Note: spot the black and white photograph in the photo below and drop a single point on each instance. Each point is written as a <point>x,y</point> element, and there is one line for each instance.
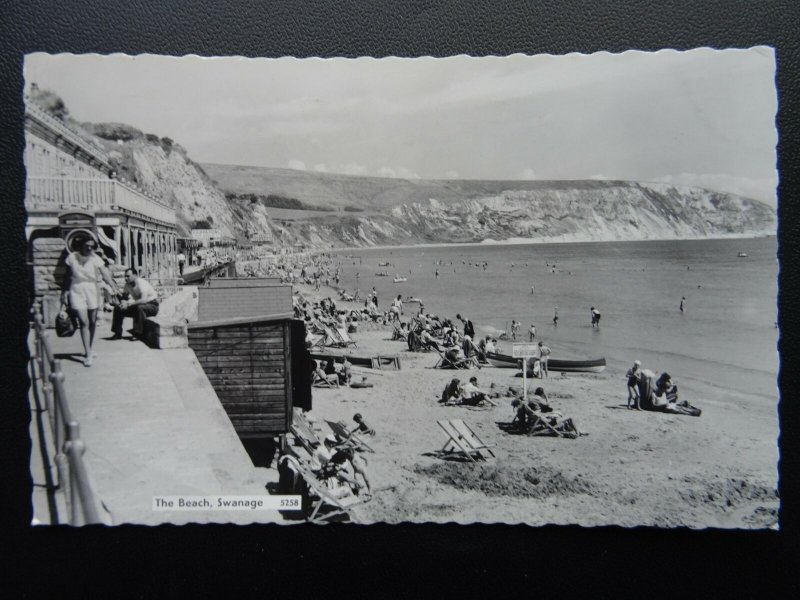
<point>522,289</point>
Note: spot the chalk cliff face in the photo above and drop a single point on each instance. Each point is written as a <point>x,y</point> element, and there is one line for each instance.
<point>372,211</point>
<point>364,211</point>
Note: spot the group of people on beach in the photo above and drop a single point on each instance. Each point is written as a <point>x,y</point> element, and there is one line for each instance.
<point>646,392</point>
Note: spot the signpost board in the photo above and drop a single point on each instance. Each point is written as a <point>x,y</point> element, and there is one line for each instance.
<point>525,352</point>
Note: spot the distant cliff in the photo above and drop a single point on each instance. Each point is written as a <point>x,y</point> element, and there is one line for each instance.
<point>326,210</point>
<point>374,211</point>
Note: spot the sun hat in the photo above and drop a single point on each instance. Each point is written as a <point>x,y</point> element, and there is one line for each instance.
<point>330,438</point>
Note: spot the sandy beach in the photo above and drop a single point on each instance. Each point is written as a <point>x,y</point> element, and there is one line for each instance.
<point>633,468</point>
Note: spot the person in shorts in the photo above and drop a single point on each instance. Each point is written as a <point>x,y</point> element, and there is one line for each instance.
<point>85,272</point>
<point>633,375</point>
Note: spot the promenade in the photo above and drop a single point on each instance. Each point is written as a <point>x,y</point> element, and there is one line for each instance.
<point>152,426</point>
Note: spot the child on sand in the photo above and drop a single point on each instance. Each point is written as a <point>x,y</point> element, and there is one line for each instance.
<point>633,375</point>
<point>362,427</point>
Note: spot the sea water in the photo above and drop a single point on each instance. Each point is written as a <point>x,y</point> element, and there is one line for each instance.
<point>724,343</point>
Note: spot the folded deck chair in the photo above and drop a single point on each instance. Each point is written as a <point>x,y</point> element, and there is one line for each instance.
<point>462,441</point>
<point>339,429</point>
<point>345,338</point>
<point>337,506</point>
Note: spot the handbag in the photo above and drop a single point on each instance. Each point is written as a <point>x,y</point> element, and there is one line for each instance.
<point>65,326</point>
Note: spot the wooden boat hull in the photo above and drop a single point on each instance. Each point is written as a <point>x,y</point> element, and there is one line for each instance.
<point>504,361</point>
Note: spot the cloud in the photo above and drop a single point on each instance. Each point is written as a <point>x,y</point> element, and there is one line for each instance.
<point>452,174</point>
<point>528,174</point>
<point>321,168</point>
<point>297,165</point>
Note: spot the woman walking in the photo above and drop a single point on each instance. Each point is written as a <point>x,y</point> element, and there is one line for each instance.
<point>82,291</point>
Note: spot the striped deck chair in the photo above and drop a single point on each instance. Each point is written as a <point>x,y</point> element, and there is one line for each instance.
<point>339,429</point>
<point>331,337</point>
<point>303,432</point>
<point>463,442</point>
<point>345,338</point>
<point>324,504</point>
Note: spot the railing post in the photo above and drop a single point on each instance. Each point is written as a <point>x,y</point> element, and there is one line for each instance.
<point>47,386</point>
<point>61,459</point>
<point>73,444</point>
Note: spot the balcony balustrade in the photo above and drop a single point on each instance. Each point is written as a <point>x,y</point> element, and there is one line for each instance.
<point>61,193</point>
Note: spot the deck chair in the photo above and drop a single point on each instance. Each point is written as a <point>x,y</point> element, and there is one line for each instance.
<point>415,343</point>
<point>329,381</point>
<point>302,431</point>
<point>344,337</point>
<point>339,429</point>
<point>541,425</point>
<point>445,363</point>
<point>399,333</point>
<point>324,497</point>
<point>331,337</point>
<point>462,441</point>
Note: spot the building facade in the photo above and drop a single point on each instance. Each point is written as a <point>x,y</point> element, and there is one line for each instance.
<point>71,188</point>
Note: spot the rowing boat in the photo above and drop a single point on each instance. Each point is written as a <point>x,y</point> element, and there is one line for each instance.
<point>504,361</point>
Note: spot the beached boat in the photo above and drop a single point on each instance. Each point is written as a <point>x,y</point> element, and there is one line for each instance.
<point>595,365</point>
<point>412,299</point>
<point>400,279</point>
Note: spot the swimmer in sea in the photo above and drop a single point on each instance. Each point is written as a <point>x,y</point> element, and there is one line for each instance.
<point>555,317</point>
<point>683,303</point>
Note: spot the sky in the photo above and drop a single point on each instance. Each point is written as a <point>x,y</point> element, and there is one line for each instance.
<point>703,117</point>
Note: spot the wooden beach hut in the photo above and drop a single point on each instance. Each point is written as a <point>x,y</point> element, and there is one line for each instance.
<point>253,352</point>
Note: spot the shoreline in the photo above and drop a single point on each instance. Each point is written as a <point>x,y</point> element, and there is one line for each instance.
<point>529,242</point>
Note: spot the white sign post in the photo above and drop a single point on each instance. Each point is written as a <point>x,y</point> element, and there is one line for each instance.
<point>525,352</point>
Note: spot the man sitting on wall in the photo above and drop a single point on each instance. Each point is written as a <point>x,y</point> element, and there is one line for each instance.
<point>140,301</point>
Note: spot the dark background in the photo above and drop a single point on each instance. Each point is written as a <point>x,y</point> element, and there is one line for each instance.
<point>406,560</point>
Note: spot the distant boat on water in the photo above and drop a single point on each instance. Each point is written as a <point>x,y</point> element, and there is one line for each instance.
<point>385,264</point>
<point>400,279</point>
<point>742,255</point>
<point>381,274</point>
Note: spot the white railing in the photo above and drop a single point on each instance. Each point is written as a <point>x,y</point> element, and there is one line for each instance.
<point>59,193</point>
